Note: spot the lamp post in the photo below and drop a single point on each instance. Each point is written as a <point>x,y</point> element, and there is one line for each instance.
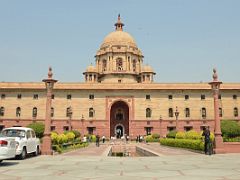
<point>160,122</point>
<point>47,144</point>
<point>218,141</point>
<point>70,112</point>
<point>176,115</point>
<point>82,120</point>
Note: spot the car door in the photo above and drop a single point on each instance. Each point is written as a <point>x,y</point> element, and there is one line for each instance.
<point>34,140</point>
<point>29,142</point>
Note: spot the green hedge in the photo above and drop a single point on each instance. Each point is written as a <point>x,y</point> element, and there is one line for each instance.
<point>152,138</point>
<point>230,129</point>
<point>38,127</point>
<point>171,134</point>
<point>183,143</point>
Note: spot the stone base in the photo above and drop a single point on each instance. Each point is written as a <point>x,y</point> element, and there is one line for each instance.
<point>219,151</point>
<point>47,146</point>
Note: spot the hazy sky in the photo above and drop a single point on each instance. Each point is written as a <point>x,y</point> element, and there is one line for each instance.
<point>181,39</point>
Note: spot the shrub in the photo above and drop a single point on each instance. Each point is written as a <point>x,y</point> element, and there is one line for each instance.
<point>70,135</point>
<point>183,143</point>
<point>93,138</point>
<point>62,138</point>
<point>38,127</point>
<point>180,135</point>
<point>54,138</point>
<point>155,136</point>
<point>230,128</point>
<point>150,138</point>
<point>76,133</point>
<point>171,134</point>
<point>193,135</point>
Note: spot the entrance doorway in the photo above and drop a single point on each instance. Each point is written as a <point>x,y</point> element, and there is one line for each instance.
<point>119,119</point>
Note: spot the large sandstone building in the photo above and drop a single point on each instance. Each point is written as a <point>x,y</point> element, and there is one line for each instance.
<point>119,96</point>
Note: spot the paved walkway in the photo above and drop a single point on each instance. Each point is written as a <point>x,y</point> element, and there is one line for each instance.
<point>75,166</point>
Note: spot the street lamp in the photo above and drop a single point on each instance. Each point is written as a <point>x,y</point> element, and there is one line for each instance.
<point>160,121</point>
<point>47,144</point>
<point>70,112</point>
<point>215,85</point>
<point>176,115</point>
<point>82,120</point>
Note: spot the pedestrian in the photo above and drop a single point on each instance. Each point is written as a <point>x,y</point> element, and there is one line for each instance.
<point>207,141</point>
<point>103,139</point>
<point>97,140</point>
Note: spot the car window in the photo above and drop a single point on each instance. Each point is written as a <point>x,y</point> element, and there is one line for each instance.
<point>33,134</point>
<point>13,133</point>
<point>28,134</point>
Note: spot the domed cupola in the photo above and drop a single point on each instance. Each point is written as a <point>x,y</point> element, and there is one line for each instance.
<point>91,74</point>
<point>147,74</point>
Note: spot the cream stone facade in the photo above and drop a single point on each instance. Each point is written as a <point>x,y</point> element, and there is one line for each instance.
<point>118,97</point>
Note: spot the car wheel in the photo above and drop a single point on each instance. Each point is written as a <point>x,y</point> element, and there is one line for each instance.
<point>23,154</point>
<point>37,152</point>
<point>1,161</point>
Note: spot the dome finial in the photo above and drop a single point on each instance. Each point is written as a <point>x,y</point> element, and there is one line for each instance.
<point>119,24</point>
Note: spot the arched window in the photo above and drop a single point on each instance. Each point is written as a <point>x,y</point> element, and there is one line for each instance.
<point>220,112</point>
<point>69,112</point>
<point>148,112</point>
<point>91,112</point>
<point>34,112</point>
<point>119,65</point>
<point>2,109</point>
<point>52,111</point>
<point>204,113</point>
<point>104,65</point>
<point>235,112</point>
<point>170,112</point>
<point>18,112</point>
<point>119,114</point>
<point>134,65</point>
<point>187,112</point>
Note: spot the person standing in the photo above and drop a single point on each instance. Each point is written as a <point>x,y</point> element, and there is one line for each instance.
<point>97,140</point>
<point>103,139</point>
<point>207,142</point>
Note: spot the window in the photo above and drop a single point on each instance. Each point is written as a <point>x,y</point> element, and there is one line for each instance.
<point>65,128</point>
<point>235,112</point>
<point>33,134</point>
<point>35,96</point>
<point>52,112</point>
<point>148,130</point>
<point>188,128</point>
<point>171,129</point>
<point>69,112</point>
<point>170,97</point>
<point>34,112</point>
<point>220,112</point>
<point>186,97</point>
<point>119,80</point>
<point>91,112</point>
<point>148,97</point>
<point>234,96</point>
<point>28,134</point>
<point>104,65</point>
<point>187,112</point>
<point>170,112</point>
<point>3,96</point>
<point>2,109</point>
<point>19,96</point>
<point>53,128</point>
<point>53,96</point>
<point>18,112</point>
<point>119,65</point>
<point>69,96</point>
<point>219,96</point>
<point>134,65</point>
<point>204,113</point>
<point>119,114</point>
<point>90,130</point>
<point>91,96</point>
<point>148,112</point>
<point>203,97</point>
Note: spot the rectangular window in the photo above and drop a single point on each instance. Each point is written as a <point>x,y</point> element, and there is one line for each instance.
<point>170,97</point>
<point>65,128</point>
<point>53,96</point>
<point>186,97</point>
<point>148,130</point>
<point>3,96</point>
<point>69,96</point>
<point>171,129</point>
<point>188,128</point>
<point>53,128</point>
<point>148,97</point>
<point>91,96</point>
<point>203,97</point>
<point>235,96</point>
<point>35,96</point>
<point>219,96</point>
<point>19,96</point>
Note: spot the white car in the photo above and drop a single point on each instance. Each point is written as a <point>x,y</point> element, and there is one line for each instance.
<point>26,139</point>
<point>7,148</point>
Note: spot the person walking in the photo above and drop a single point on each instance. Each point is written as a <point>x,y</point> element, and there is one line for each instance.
<point>207,141</point>
<point>103,139</point>
<point>97,140</point>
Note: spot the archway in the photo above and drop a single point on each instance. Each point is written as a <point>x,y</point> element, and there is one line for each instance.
<point>119,119</point>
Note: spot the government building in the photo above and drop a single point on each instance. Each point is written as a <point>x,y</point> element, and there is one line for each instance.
<point>119,96</point>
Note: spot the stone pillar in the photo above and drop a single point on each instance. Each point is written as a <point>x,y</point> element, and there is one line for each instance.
<point>176,115</point>
<point>47,143</point>
<point>218,141</point>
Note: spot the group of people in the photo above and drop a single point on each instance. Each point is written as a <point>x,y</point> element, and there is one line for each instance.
<point>139,138</point>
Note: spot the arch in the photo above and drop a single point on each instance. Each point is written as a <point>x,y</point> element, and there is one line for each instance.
<point>235,112</point>
<point>18,112</point>
<point>119,64</point>
<point>120,130</point>
<point>122,119</point>
<point>91,112</point>
<point>2,110</point>
<point>34,112</point>
<point>148,113</point>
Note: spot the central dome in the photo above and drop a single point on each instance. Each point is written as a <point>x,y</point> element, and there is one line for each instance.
<point>118,38</point>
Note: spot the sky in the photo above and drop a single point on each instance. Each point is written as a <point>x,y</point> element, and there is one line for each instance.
<point>183,40</point>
